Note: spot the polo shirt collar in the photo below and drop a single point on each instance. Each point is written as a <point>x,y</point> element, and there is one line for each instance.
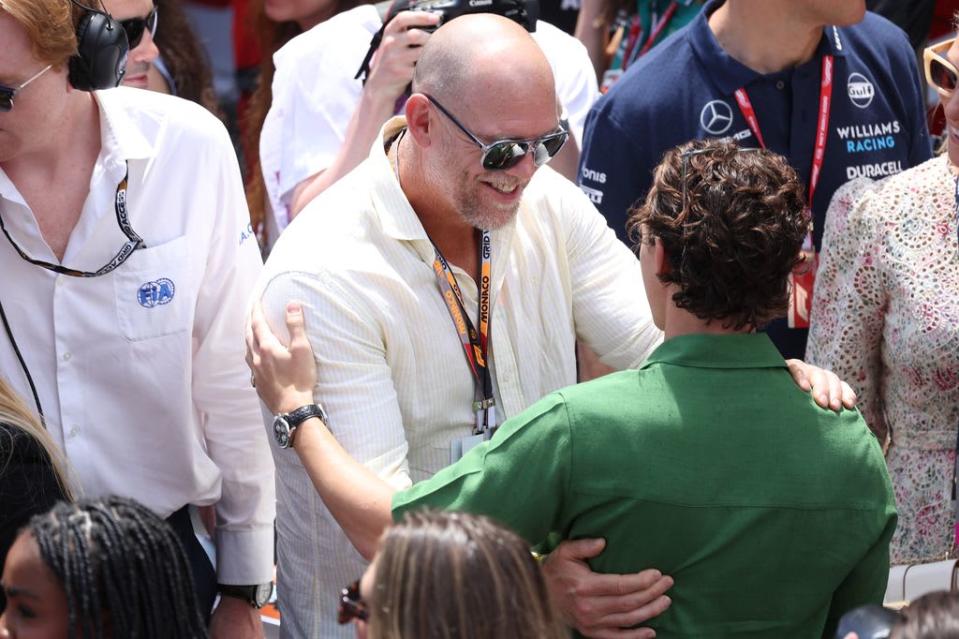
<point>727,73</point>
<point>738,350</point>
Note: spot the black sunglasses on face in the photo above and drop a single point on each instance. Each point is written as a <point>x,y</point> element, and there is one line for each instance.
<point>7,93</point>
<point>352,606</point>
<point>136,27</point>
<point>504,154</point>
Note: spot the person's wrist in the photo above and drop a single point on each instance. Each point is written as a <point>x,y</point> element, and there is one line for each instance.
<point>292,402</point>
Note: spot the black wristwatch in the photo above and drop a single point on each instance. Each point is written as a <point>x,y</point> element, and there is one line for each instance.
<point>285,424</point>
<point>257,596</point>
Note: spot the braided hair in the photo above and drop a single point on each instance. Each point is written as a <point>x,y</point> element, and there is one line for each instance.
<point>123,569</point>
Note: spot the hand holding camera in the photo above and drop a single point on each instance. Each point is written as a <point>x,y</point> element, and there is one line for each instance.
<point>391,69</point>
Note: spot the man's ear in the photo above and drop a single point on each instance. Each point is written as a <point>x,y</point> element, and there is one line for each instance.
<point>660,258</point>
<point>418,123</point>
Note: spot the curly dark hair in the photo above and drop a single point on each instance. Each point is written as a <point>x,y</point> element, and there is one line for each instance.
<point>732,243</point>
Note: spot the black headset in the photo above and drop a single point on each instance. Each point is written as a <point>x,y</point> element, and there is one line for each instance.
<point>102,49</point>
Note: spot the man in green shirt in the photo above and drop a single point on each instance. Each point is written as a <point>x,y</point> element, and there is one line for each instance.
<point>772,515</point>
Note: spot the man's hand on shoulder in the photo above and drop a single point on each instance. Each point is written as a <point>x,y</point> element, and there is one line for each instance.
<point>603,606</point>
<point>235,619</point>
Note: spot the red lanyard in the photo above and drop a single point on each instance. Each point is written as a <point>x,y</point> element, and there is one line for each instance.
<point>822,125</point>
<point>475,343</point>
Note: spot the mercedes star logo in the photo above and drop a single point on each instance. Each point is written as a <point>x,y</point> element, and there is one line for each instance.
<point>716,117</point>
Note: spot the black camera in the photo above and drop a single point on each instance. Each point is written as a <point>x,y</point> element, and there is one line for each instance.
<point>523,12</point>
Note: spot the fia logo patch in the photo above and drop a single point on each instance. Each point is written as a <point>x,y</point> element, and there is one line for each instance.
<point>157,293</point>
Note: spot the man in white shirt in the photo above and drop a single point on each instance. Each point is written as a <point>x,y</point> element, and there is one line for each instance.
<point>368,260</point>
<point>135,354</point>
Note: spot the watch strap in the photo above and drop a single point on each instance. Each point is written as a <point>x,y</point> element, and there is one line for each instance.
<point>296,417</point>
<point>255,595</point>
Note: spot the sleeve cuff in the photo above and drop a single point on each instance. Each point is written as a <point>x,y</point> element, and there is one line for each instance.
<point>244,557</point>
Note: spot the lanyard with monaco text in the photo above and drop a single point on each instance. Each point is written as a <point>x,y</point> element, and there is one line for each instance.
<point>475,343</point>
<point>803,276</point>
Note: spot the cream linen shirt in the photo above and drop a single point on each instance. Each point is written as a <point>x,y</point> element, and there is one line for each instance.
<point>392,373</point>
<point>140,372</point>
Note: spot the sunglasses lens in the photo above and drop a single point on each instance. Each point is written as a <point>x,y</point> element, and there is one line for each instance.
<point>503,155</point>
<point>136,27</point>
<point>555,143</point>
<point>6,101</point>
<point>942,76</point>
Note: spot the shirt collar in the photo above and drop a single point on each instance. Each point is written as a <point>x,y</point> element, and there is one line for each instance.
<point>728,74</point>
<point>738,350</point>
<point>120,134</point>
<point>398,218</point>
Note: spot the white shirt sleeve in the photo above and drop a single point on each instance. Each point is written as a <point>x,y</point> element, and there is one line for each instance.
<point>355,382</point>
<point>610,309</point>
<point>227,404</point>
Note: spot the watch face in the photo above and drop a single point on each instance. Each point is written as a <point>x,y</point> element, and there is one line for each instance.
<point>281,431</point>
<point>263,594</point>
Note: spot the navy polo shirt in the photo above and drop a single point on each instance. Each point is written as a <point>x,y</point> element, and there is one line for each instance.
<point>683,89</point>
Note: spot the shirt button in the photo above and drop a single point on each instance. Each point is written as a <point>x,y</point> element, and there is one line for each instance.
<point>780,85</point>
<point>67,356</point>
<point>59,281</point>
<point>74,431</point>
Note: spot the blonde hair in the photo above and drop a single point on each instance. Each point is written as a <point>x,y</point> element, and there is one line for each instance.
<point>446,575</point>
<point>13,412</point>
<point>50,25</point>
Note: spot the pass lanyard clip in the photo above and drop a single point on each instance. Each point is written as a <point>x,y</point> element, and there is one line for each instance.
<point>475,342</point>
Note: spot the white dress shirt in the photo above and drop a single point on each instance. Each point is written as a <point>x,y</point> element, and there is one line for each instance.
<point>315,94</point>
<point>392,372</point>
<point>141,372</point>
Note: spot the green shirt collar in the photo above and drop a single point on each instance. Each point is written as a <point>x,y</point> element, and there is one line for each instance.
<point>739,350</point>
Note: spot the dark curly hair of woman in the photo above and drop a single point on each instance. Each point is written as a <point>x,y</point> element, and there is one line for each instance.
<point>732,222</point>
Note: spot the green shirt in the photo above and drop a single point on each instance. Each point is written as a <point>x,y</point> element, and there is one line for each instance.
<point>772,515</point>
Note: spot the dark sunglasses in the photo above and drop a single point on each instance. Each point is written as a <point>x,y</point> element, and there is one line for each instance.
<point>940,72</point>
<point>7,93</point>
<point>136,27</point>
<point>352,606</point>
<point>504,154</point>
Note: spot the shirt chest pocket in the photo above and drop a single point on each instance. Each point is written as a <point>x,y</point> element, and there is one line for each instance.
<point>154,294</point>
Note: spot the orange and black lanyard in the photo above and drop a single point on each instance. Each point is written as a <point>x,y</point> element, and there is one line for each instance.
<point>475,343</point>
<point>822,131</point>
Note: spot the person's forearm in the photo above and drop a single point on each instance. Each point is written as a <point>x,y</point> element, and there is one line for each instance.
<point>369,116</point>
<point>591,31</point>
<point>358,499</point>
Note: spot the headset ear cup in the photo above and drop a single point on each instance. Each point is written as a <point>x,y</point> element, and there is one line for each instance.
<point>101,53</point>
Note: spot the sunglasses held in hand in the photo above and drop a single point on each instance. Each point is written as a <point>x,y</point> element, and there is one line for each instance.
<point>505,154</point>
<point>940,72</point>
<point>352,606</point>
